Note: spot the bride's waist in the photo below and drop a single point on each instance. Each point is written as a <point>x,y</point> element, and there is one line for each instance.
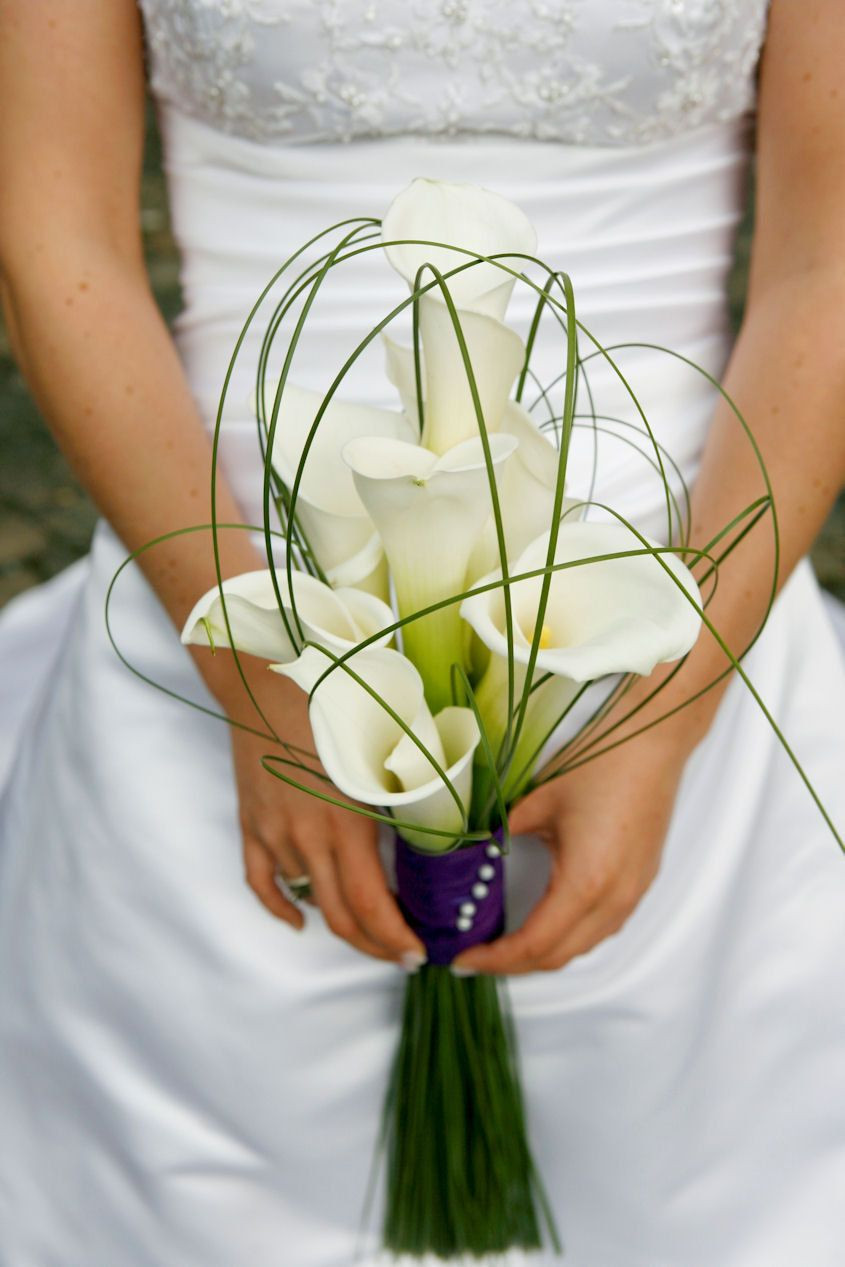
<point>571,192</point>
<point>646,232</point>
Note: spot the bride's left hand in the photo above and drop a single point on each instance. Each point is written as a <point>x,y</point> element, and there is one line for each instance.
<point>604,824</point>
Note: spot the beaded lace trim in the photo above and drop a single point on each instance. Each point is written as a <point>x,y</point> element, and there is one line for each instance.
<point>595,72</point>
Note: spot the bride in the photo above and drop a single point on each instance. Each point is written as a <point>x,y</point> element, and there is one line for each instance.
<point>191,1077</point>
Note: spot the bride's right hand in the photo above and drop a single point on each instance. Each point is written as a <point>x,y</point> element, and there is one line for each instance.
<point>289,833</point>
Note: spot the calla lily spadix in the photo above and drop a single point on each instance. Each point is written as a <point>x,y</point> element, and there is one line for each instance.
<point>328,506</point>
<point>603,616</point>
<point>338,619</point>
<point>429,512</point>
<point>464,216</point>
<point>367,754</point>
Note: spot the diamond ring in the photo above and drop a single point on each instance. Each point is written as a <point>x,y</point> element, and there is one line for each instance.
<point>299,886</point>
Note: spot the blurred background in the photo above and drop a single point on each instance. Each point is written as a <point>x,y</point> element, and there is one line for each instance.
<point>46,519</point>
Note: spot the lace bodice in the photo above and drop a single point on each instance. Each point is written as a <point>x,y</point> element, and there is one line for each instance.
<point>584,72</point>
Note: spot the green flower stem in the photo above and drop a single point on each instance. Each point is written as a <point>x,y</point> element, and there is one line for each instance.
<point>547,705</point>
<point>460,1177</point>
<point>547,700</point>
<point>433,644</point>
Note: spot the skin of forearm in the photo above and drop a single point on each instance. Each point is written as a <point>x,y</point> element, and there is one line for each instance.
<point>104,371</point>
<point>787,377</point>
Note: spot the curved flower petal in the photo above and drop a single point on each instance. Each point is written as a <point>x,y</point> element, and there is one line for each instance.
<point>618,615</point>
<point>399,366</point>
<point>328,505</point>
<point>429,511</point>
<point>337,540</point>
<point>407,762</point>
<point>365,570</point>
<point>463,216</point>
<point>496,354</point>
<point>459,737</point>
<point>367,754</point>
<point>526,493</point>
<point>326,481</point>
<point>337,619</point>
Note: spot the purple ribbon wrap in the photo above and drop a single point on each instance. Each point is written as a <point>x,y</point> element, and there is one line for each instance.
<point>452,900</point>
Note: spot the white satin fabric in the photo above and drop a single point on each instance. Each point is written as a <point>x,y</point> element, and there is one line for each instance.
<point>188,1083</point>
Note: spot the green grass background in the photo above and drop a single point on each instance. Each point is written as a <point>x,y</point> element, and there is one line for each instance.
<point>46,519</point>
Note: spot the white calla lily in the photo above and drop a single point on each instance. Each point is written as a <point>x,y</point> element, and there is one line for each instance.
<point>365,570</point>
<point>496,354</point>
<point>616,615</point>
<point>526,493</point>
<point>429,511</point>
<point>338,619</point>
<point>328,506</point>
<point>603,616</point>
<point>399,365</point>
<point>464,216</point>
<point>366,752</point>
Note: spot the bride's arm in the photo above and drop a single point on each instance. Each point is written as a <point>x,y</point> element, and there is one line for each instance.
<point>605,821</point>
<point>103,369</point>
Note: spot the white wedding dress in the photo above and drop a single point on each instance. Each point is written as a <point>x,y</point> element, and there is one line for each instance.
<point>186,1082</point>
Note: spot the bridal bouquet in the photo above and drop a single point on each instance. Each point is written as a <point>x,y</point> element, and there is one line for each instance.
<point>464,632</point>
<point>445,607</point>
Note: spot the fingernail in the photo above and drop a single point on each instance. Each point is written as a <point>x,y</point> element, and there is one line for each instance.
<point>462,970</point>
<point>412,960</point>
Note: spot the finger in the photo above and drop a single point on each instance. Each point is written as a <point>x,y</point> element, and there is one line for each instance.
<point>560,909</point>
<point>606,918</point>
<point>364,887</point>
<point>584,937</point>
<point>260,866</point>
<point>534,815</point>
<point>322,868</point>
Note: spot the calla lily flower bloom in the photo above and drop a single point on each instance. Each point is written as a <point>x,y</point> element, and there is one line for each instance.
<point>526,493</point>
<point>399,365</point>
<point>338,619</point>
<point>496,354</point>
<point>603,616</point>
<point>527,484</point>
<point>429,512</point>
<point>336,523</point>
<point>464,216</point>
<point>367,754</point>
